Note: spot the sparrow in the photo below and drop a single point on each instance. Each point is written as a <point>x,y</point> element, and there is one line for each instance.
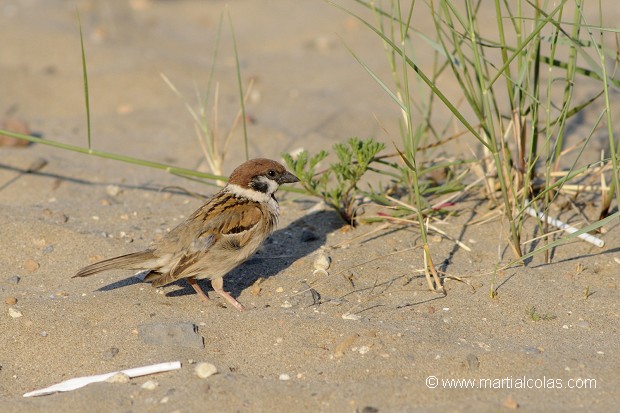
<point>217,237</point>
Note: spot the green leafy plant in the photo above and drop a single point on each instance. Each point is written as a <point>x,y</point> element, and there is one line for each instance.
<point>516,95</point>
<point>533,313</point>
<point>354,160</point>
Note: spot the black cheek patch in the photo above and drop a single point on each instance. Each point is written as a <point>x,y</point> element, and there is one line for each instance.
<point>260,186</point>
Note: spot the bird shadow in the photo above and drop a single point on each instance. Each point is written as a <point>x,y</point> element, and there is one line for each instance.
<point>300,238</point>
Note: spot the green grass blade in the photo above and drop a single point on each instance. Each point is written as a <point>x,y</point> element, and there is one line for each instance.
<point>114,156</point>
<point>85,73</point>
<point>240,83</point>
<point>429,83</point>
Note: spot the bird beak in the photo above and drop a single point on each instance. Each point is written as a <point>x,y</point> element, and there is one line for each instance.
<point>287,178</point>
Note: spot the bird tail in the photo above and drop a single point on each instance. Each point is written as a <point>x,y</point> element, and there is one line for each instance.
<point>135,261</point>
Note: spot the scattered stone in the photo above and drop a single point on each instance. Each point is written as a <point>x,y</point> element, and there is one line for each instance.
<point>369,409</point>
<point>204,370</point>
<point>256,288</point>
<point>279,290</point>
<point>150,385</point>
<point>15,313</point>
<point>94,258</point>
<point>171,334</point>
<point>10,300</point>
<point>321,264</point>
<point>113,190</point>
<point>344,345</point>
<point>17,126</point>
<point>511,403</point>
<point>316,297</point>
<point>436,239</point>
<point>531,350</point>
<point>582,324</point>
<point>40,243</point>
<point>349,316</point>
<point>110,353</point>
<point>31,265</point>
<point>363,349</point>
<point>472,361</point>
<point>119,378</point>
<point>13,280</point>
<point>284,377</point>
<point>286,304</point>
<point>308,236</point>
<point>43,334</point>
<point>306,298</point>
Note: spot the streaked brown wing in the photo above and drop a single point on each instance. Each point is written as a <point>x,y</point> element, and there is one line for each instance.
<point>233,220</point>
<point>229,226</point>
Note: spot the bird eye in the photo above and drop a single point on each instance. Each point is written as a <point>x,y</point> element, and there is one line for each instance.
<point>271,173</point>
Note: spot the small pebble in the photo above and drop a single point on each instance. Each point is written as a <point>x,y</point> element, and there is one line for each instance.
<point>30,265</point>
<point>363,349</point>
<point>10,300</point>
<point>344,345</point>
<point>110,353</point>
<point>204,370</point>
<point>531,350</point>
<point>119,378</point>
<point>583,324</point>
<point>14,125</point>
<point>284,377</point>
<point>15,313</point>
<point>321,264</point>
<point>13,280</point>
<point>472,361</point>
<point>279,289</point>
<point>286,304</point>
<point>43,334</point>
<point>150,385</point>
<point>113,190</point>
<point>349,316</point>
<point>256,288</point>
<point>511,403</point>
<point>308,236</point>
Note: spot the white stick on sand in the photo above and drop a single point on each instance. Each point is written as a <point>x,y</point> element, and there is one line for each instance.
<point>78,382</point>
<point>565,227</point>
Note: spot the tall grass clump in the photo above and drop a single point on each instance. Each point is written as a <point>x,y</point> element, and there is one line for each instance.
<point>205,113</point>
<point>514,75</point>
<point>214,146</point>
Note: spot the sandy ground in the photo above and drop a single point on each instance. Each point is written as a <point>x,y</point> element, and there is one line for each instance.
<point>288,352</point>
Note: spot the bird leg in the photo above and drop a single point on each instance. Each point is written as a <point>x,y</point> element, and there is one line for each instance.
<point>192,281</point>
<point>218,286</point>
